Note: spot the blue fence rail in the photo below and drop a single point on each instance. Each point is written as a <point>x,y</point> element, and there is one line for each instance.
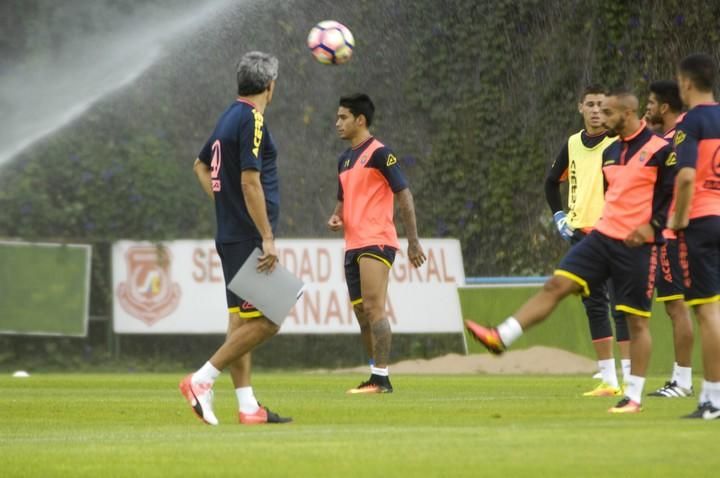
<point>505,280</point>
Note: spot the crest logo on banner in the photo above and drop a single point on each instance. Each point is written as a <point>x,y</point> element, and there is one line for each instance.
<point>149,293</point>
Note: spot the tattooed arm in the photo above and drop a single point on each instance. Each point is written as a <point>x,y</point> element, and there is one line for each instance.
<point>407,215</point>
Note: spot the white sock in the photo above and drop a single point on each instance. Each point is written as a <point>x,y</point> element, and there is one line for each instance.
<point>703,397</point>
<point>607,370</point>
<point>625,365</point>
<point>383,372</point>
<point>509,331</point>
<point>206,374</point>
<point>246,400</point>
<point>712,391</point>
<point>634,388</point>
<point>683,376</point>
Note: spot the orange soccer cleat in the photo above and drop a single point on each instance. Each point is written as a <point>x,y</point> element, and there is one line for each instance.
<point>487,336</point>
<point>374,385</point>
<point>626,406</point>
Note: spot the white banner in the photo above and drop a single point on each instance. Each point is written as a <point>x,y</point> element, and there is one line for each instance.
<point>178,287</point>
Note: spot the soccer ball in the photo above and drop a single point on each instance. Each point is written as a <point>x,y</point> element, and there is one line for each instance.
<point>331,42</point>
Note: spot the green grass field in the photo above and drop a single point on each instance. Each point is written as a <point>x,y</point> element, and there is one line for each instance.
<point>454,426</point>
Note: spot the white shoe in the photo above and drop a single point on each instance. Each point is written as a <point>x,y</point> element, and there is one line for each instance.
<point>598,376</point>
<point>672,390</point>
<point>200,398</point>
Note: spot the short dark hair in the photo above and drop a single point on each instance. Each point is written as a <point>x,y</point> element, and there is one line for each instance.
<point>666,91</point>
<point>620,91</point>
<point>359,104</point>
<point>255,71</point>
<point>701,69</point>
<point>626,97</point>
<point>593,89</point>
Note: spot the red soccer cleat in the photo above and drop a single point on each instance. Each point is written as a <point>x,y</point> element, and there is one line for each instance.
<point>261,416</point>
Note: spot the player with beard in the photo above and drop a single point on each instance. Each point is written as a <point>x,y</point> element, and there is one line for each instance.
<point>579,163</point>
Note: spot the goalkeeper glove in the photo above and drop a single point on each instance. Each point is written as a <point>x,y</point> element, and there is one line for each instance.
<point>562,226</point>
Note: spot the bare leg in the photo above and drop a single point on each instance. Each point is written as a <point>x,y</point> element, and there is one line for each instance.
<point>682,331</point>
<point>240,368</point>
<point>640,344</point>
<point>708,317</point>
<point>541,305</point>
<point>242,340</point>
<point>624,347</point>
<point>535,310</point>
<point>603,348</point>
<point>373,286</point>
<point>365,331</point>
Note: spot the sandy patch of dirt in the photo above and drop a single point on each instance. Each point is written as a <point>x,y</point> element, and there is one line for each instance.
<point>535,360</point>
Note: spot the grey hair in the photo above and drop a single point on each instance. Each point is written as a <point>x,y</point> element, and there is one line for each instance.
<point>255,71</point>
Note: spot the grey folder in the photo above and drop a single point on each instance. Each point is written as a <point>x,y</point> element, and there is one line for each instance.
<point>273,294</point>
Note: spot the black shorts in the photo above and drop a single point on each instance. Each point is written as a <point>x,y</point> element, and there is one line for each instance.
<point>233,256</point>
<point>669,273</point>
<point>598,258</point>
<point>699,251</point>
<point>384,254</point>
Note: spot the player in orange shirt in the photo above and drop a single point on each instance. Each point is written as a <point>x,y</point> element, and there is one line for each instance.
<point>662,113</point>
<point>639,172</point>
<point>369,179</point>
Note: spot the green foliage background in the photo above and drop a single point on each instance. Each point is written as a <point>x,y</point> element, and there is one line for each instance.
<point>476,97</point>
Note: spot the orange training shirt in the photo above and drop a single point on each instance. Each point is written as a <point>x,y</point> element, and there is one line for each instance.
<point>639,171</point>
<point>369,175</point>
